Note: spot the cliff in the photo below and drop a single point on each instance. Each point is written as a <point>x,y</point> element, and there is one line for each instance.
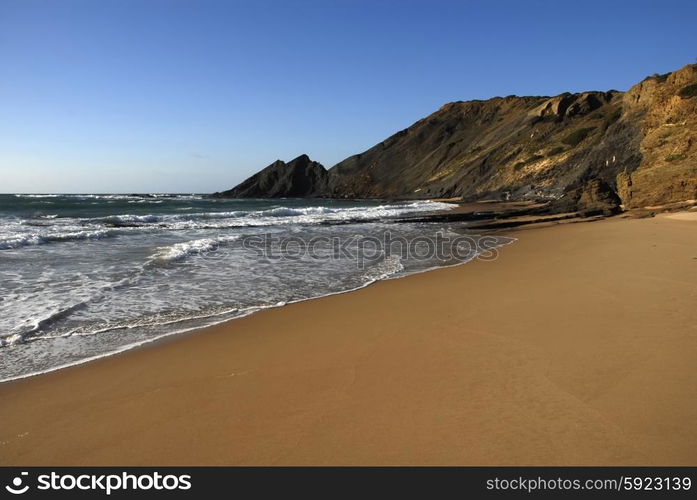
<point>299,178</point>
<point>586,150</point>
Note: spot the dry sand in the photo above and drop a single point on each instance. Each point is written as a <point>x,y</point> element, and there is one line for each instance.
<point>577,346</point>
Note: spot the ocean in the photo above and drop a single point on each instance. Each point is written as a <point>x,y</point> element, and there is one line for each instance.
<point>87,275</point>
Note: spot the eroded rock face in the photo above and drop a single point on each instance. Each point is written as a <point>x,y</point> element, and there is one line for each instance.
<point>589,101</point>
<point>575,104</point>
<point>598,195</point>
<point>557,106</point>
<point>641,146</point>
<point>668,169</point>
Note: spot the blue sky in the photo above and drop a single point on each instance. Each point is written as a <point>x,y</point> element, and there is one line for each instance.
<point>195,95</point>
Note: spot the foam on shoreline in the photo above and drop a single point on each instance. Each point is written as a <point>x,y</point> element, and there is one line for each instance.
<point>392,269</point>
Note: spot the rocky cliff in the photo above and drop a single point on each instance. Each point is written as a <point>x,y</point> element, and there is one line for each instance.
<point>587,150</point>
<point>299,178</point>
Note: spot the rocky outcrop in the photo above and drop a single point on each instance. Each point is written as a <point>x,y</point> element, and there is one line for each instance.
<point>596,196</point>
<point>592,149</point>
<point>299,178</point>
<point>575,104</point>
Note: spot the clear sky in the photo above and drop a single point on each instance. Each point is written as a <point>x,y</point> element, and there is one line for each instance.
<point>195,95</point>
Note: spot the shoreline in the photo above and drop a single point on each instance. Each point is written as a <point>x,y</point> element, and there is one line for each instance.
<point>154,341</point>
<point>394,317</point>
<point>435,216</point>
<point>194,329</point>
<point>179,325</point>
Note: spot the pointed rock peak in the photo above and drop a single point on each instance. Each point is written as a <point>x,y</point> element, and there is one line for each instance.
<point>299,178</point>
<point>303,158</point>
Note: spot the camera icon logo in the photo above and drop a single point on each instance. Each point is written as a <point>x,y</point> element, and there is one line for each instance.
<point>16,487</point>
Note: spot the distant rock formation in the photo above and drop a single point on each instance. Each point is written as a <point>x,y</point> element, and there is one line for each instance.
<point>299,178</point>
<point>593,149</point>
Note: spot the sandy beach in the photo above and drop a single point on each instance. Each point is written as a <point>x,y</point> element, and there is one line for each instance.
<point>577,346</point>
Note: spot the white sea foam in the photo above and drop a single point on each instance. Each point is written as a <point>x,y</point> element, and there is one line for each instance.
<point>180,251</point>
<point>101,227</point>
<point>275,216</point>
<point>21,240</point>
<point>150,218</point>
<point>389,267</point>
<point>37,195</point>
<point>16,241</point>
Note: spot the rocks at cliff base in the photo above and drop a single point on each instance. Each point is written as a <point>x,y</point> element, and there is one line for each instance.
<point>593,197</point>
<point>597,196</point>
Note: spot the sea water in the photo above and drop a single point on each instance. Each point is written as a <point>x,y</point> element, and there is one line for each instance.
<point>85,276</point>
